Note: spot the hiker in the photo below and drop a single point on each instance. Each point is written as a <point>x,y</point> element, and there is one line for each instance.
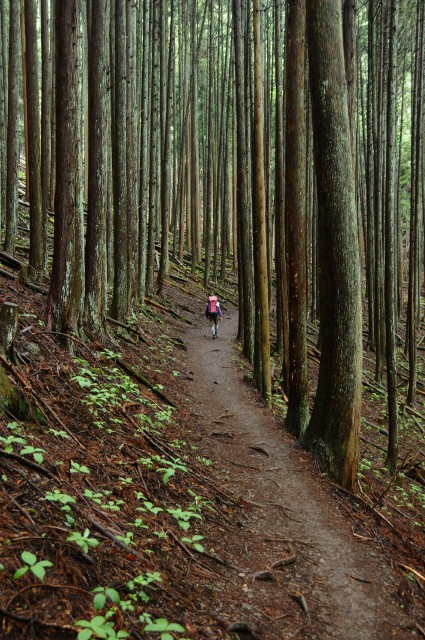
<point>213,313</point>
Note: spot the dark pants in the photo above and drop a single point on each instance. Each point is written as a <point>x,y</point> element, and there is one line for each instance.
<point>213,318</point>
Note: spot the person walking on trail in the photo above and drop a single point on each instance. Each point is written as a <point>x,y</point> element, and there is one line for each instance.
<point>213,313</point>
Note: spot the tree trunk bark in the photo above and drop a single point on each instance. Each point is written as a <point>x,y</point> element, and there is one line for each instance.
<point>36,256</point>
<point>298,411</point>
<point>244,225</point>
<point>95,258</point>
<point>119,299</point>
<point>64,304</point>
<point>12,132</point>
<point>260,209</point>
<point>390,305</point>
<point>333,431</point>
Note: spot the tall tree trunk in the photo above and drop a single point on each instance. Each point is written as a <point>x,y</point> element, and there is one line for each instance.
<point>36,256</point>
<point>281,275</point>
<point>25,99</point>
<point>298,412</point>
<point>52,171</point>
<point>12,131</point>
<point>143,186</point>
<point>260,210</point>
<point>378,222</point>
<point>209,199</point>
<point>416,151</point>
<point>333,431</point>
<point>390,303</point>
<point>370,170</point>
<point>245,255</point>
<point>119,299</point>
<point>131,155</point>
<point>4,92</point>
<point>166,163</point>
<point>194,152</point>
<point>95,259</point>
<point>46,104</point>
<point>63,306</point>
<point>153,148</point>
<point>349,37</point>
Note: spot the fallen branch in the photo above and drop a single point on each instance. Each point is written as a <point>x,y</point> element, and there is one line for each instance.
<point>416,573</point>
<point>41,404</point>
<point>300,599</point>
<point>106,532</point>
<point>130,328</point>
<point>27,463</point>
<point>34,621</point>
<point>373,444</point>
<point>19,507</point>
<point>167,310</point>
<point>359,579</point>
<point>45,585</point>
<point>189,553</point>
<point>260,450</point>
<point>227,434</point>
<point>10,261</point>
<point>284,562</point>
<point>245,466</point>
<point>145,382</point>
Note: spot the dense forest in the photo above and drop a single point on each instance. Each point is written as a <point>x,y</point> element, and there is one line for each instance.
<point>285,140</point>
<point>270,151</point>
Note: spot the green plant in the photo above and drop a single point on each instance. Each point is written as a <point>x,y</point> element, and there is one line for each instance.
<point>127,539</point>
<point>125,481</point>
<point>137,585</point>
<point>162,535</point>
<point>183,517</point>
<point>106,387</point>
<point>65,500</point>
<point>138,524</point>
<point>15,426</point>
<point>102,593</point>
<point>59,434</point>
<point>83,540</point>
<point>194,542</point>
<point>36,452</point>
<point>58,496</point>
<point>207,462</point>
<point>99,627</point>
<point>37,567</point>
<point>96,496</point>
<point>10,441</point>
<point>162,626</point>
<point>148,507</point>
<point>168,468</point>
<point>112,505</point>
<point>77,468</point>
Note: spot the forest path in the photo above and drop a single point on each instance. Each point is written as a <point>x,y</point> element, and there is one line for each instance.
<point>348,588</point>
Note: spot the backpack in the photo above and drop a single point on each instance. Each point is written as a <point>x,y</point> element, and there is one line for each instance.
<point>212,306</point>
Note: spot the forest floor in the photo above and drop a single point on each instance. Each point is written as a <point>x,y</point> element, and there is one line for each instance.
<point>186,506</point>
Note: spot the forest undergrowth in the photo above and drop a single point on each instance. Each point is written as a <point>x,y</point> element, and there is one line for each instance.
<point>109,509</point>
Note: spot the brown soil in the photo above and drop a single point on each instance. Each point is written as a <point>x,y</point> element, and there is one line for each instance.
<point>269,502</point>
<point>348,589</point>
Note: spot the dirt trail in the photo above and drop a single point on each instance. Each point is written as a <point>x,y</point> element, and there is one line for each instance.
<point>348,588</point>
